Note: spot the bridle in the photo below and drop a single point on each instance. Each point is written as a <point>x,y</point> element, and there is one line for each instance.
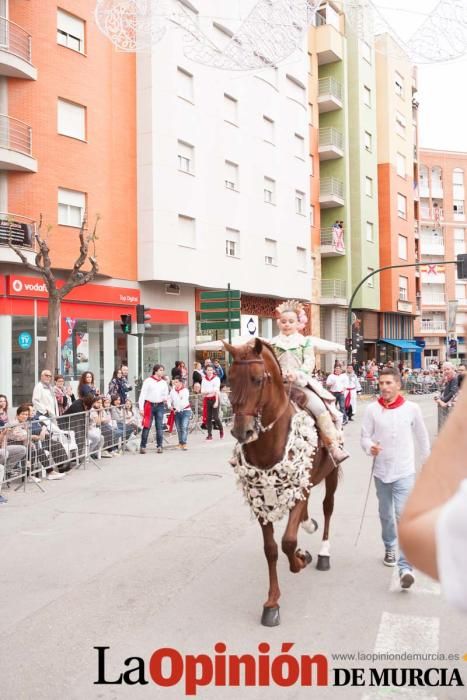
<point>258,413</point>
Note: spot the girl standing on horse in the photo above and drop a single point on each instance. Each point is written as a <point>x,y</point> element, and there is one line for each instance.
<point>296,357</point>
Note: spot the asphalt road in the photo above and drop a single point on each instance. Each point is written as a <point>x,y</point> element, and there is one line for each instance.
<point>159,551</point>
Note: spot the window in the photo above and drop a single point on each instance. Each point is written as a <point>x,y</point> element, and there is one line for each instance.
<point>401,165</point>
<point>231,175</point>
<point>269,190</point>
<point>270,256</point>
<point>368,142</point>
<point>401,206</point>
<point>460,292</point>
<point>230,109</point>
<point>299,202</point>
<point>70,31</point>
<point>71,207</point>
<point>458,209</point>
<point>71,119</point>
<point>458,177</point>
<point>399,85</point>
<point>185,157</point>
<point>232,243</point>
<point>459,242</point>
<point>301,259</point>
<point>185,85</point>
<point>299,146</point>
<point>370,233</point>
<point>403,288</point>
<point>368,186</point>
<point>367,96</point>
<point>366,52</point>
<point>401,124</point>
<point>371,281</point>
<point>186,231</point>
<point>295,90</point>
<point>268,129</point>
<point>402,247</point>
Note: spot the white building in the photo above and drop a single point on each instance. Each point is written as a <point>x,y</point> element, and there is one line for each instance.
<point>223,175</point>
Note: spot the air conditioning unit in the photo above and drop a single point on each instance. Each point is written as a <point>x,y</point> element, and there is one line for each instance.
<point>172,288</point>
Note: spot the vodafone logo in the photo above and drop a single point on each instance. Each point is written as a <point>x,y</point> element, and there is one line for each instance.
<point>17,286</point>
<point>27,287</point>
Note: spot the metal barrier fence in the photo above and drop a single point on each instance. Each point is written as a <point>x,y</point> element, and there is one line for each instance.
<point>32,449</point>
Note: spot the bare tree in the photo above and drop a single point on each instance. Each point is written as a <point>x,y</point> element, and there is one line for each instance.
<point>57,288</point>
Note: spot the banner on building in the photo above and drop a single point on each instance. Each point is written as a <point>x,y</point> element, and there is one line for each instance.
<point>19,233</point>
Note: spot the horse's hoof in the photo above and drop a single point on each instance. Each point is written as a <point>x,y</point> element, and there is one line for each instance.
<point>271,617</point>
<point>310,526</point>
<point>306,556</point>
<point>324,563</point>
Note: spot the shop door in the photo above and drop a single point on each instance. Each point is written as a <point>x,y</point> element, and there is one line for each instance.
<point>41,355</point>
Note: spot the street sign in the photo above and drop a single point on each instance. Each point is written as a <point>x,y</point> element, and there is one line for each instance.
<point>221,294</point>
<point>219,315</point>
<point>213,305</point>
<point>220,325</point>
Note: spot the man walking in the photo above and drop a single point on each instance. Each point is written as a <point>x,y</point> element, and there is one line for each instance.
<point>388,430</point>
<point>353,386</point>
<point>152,400</point>
<point>337,383</point>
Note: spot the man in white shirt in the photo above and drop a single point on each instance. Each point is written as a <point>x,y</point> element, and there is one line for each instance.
<point>353,386</point>
<point>388,430</point>
<point>337,384</point>
<point>152,400</point>
<point>210,390</point>
<point>43,396</point>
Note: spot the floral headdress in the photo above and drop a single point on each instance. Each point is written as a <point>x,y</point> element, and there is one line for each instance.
<point>296,307</point>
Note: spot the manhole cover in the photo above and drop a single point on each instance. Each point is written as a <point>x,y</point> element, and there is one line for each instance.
<point>201,477</point>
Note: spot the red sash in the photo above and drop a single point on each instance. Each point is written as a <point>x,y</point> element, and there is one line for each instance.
<point>171,420</point>
<point>348,399</point>
<point>147,414</point>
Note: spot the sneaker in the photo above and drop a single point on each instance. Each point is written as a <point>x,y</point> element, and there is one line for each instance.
<point>3,499</point>
<point>389,558</point>
<point>53,476</point>
<point>33,480</point>
<point>184,447</point>
<point>209,437</point>
<point>407,579</point>
<point>159,450</point>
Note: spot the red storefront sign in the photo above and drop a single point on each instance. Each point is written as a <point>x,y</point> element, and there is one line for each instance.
<point>32,287</point>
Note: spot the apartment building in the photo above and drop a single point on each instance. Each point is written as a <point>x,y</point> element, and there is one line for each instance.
<point>223,178</point>
<point>67,146</point>
<point>398,199</point>
<point>443,299</point>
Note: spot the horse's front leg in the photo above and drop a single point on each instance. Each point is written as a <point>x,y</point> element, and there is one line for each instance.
<point>270,616</point>
<point>324,556</point>
<point>297,560</point>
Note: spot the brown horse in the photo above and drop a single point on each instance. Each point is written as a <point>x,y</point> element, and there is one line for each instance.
<point>262,421</point>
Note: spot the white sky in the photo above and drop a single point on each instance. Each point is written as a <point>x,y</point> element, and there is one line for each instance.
<point>442,86</point>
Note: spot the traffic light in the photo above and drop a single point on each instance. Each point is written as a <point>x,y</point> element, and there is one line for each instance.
<point>348,344</point>
<point>142,318</point>
<point>126,323</point>
<point>462,267</point>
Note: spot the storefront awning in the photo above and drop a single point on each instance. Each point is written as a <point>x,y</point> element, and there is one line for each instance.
<point>404,345</point>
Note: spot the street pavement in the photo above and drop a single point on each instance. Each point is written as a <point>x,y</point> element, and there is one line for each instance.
<point>159,551</point>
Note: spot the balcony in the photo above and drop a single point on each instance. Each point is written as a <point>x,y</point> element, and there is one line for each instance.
<point>404,306</point>
<point>21,231</point>
<point>329,42</point>
<point>437,189</point>
<point>333,293</point>
<point>432,245</point>
<point>331,144</point>
<point>15,51</point>
<point>16,145</point>
<point>434,299</point>
<point>435,214</point>
<point>331,193</point>
<point>330,95</point>
<point>332,242</point>
<point>433,326</point>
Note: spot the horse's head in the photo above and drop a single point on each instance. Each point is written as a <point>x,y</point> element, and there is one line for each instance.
<point>253,374</point>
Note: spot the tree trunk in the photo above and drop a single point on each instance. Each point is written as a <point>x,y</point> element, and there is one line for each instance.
<point>53,321</point>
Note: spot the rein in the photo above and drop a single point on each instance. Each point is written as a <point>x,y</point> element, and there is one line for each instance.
<point>267,377</point>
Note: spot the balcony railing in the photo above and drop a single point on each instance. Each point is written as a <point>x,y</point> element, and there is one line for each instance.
<point>15,135</point>
<point>331,138</point>
<point>15,40</point>
<point>334,289</point>
<point>434,299</point>
<point>18,229</point>
<point>330,86</point>
<point>331,187</point>
<point>429,326</point>
<point>332,241</point>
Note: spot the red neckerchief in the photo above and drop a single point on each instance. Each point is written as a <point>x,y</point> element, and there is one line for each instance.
<point>210,380</point>
<point>156,379</point>
<point>179,390</point>
<point>400,401</point>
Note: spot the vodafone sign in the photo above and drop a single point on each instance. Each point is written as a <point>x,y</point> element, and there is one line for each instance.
<point>34,288</point>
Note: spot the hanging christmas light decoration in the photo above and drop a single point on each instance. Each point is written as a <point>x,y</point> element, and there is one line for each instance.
<point>441,35</point>
<point>269,32</point>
